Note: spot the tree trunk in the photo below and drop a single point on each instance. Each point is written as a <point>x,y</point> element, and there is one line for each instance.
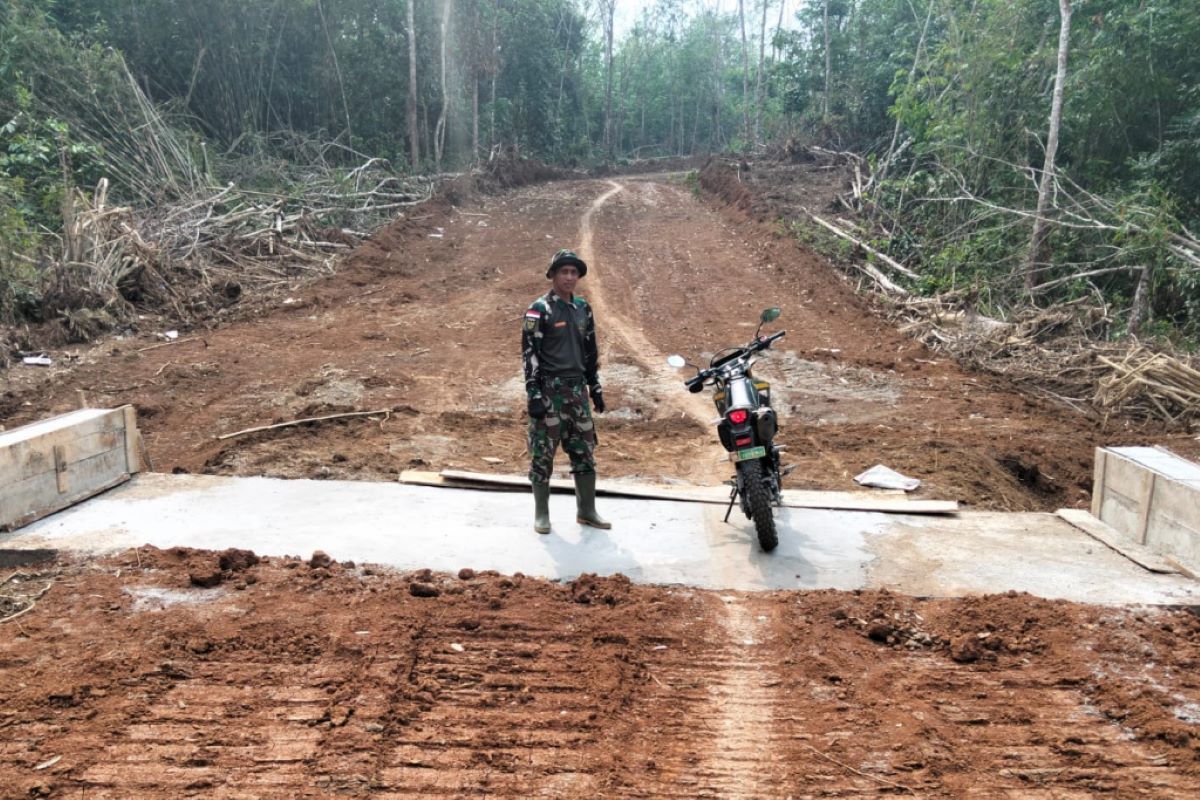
<point>1140,313</point>
<point>825,99</point>
<point>610,7</point>
<point>758,82</point>
<point>745,76</point>
<point>439,134</point>
<point>495,67</point>
<point>476,72</point>
<point>778,29</point>
<point>337,70</point>
<point>414,139</point>
<point>1037,242</point>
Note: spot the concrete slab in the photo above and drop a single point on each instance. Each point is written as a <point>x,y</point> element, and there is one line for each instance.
<point>659,542</point>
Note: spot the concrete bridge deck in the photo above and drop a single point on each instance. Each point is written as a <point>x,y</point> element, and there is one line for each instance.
<point>658,542</point>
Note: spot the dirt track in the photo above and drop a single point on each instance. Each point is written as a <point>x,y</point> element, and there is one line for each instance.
<point>290,681</point>
<point>423,320</point>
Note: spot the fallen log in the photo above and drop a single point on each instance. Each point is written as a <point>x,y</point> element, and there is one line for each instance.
<point>887,260</point>
<point>290,423</point>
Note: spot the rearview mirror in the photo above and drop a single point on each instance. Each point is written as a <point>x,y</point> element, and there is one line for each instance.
<point>676,361</point>
<point>769,315</point>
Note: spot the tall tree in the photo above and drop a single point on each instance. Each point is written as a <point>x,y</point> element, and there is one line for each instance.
<point>439,134</point>
<point>745,74</point>
<point>608,8</point>
<point>1037,242</point>
<point>414,136</point>
<point>825,99</point>
<point>758,78</point>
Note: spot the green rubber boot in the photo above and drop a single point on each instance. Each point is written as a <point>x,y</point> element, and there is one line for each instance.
<point>585,500</point>
<point>541,507</point>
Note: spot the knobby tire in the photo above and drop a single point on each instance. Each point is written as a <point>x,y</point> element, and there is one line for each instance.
<point>758,498</point>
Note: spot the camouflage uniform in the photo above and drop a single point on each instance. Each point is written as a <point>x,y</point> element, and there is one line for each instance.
<point>558,346</point>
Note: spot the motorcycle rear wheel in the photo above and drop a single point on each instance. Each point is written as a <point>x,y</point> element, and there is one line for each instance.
<point>758,498</point>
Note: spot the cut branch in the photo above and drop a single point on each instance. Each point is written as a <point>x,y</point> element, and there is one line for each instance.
<point>885,259</point>
<point>293,422</point>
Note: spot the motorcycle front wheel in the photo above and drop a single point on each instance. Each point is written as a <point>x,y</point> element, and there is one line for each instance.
<point>758,498</point>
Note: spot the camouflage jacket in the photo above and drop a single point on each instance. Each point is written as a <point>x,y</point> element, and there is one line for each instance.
<point>558,340</point>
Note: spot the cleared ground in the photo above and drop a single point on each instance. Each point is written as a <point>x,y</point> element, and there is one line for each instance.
<point>287,680</point>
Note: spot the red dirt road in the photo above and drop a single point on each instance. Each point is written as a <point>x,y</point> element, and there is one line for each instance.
<point>287,680</point>
<point>424,321</point>
<point>291,680</point>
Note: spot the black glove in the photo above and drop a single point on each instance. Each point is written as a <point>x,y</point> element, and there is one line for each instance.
<point>537,408</point>
<point>598,400</point>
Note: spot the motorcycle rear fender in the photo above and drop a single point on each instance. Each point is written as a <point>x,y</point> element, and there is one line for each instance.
<point>730,433</point>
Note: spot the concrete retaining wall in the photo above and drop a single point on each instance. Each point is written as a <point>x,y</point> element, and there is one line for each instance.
<point>1152,496</point>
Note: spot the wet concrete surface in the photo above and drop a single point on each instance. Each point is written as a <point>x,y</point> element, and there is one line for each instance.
<point>655,542</point>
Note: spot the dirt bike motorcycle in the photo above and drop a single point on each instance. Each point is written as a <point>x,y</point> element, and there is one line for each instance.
<point>746,428</point>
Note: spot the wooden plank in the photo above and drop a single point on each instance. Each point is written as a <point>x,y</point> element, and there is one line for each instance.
<point>133,461</point>
<point>34,516</point>
<point>24,455</point>
<point>38,495</point>
<point>1112,538</point>
<point>51,425</point>
<point>1124,482</point>
<point>1173,526</point>
<point>54,463</point>
<point>1099,484</point>
<point>60,468</point>
<point>1192,572</point>
<point>845,501</point>
<point>1145,503</point>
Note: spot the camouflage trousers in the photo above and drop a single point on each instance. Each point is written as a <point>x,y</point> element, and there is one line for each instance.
<point>568,420</point>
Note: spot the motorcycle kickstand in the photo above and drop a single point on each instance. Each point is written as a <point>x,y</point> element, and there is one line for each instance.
<point>732,497</point>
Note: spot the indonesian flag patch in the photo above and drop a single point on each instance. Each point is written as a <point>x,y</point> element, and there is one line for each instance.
<point>532,317</point>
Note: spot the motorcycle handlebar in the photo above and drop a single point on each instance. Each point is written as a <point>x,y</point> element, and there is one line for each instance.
<point>766,341</point>
<point>696,384</point>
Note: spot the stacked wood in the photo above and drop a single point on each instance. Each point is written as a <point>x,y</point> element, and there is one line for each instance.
<point>177,253</point>
<point>1155,384</point>
<point>1060,353</point>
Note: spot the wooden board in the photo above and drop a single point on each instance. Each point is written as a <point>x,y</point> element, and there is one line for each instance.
<point>49,465</point>
<point>1105,534</point>
<point>845,501</point>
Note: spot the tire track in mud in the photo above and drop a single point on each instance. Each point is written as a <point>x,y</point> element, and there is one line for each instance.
<point>746,701</point>
<point>740,705</point>
<point>713,709</point>
<point>666,379</point>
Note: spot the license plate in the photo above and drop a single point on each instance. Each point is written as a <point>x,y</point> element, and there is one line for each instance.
<point>749,454</point>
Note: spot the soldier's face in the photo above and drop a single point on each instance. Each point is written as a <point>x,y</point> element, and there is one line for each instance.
<point>565,278</point>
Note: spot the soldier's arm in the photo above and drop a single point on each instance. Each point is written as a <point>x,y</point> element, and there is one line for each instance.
<point>531,348</point>
<point>591,353</point>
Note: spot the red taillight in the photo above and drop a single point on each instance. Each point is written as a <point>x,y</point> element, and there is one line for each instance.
<point>738,416</point>
<point>745,440</point>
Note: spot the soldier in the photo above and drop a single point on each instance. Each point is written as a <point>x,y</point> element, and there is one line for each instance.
<point>562,362</point>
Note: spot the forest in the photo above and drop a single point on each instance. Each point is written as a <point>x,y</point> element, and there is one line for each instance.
<point>1019,152</point>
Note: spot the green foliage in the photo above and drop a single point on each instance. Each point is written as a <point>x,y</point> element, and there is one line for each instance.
<point>947,98</point>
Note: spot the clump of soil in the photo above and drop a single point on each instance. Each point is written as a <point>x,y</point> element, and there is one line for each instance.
<point>511,685</point>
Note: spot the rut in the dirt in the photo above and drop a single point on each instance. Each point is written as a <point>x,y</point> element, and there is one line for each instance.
<point>294,678</point>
